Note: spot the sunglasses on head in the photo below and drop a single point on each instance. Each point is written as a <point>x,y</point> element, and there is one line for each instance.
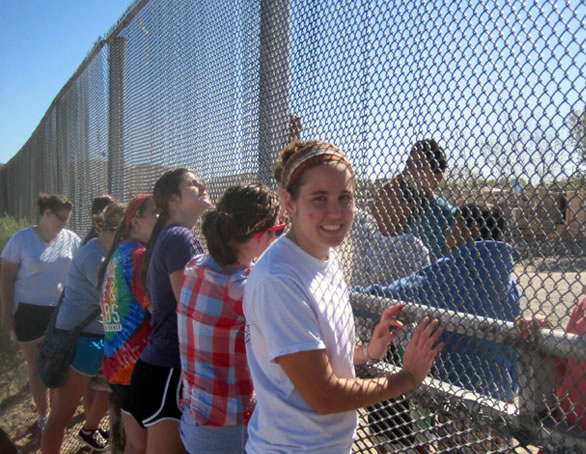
<point>276,229</point>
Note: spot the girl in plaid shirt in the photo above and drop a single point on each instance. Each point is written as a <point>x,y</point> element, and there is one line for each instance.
<point>218,397</point>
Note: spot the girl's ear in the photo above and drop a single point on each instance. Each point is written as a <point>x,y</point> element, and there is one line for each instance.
<point>133,223</point>
<point>289,204</point>
<point>173,199</point>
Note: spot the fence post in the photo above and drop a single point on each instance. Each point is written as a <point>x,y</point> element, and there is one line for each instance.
<point>273,110</point>
<point>117,56</point>
<point>536,387</point>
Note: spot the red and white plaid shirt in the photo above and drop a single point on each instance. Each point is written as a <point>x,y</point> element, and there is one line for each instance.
<point>216,382</point>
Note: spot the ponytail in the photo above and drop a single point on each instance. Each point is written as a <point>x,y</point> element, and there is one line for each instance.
<point>162,220</point>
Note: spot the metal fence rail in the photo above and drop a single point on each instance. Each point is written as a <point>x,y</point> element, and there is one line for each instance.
<point>500,86</point>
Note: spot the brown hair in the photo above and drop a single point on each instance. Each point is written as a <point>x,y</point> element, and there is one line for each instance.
<point>100,203</point>
<point>109,218</point>
<point>53,202</point>
<point>122,234</point>
<point>165,187</point>
<point>241,212</point>
<point>294,149</point>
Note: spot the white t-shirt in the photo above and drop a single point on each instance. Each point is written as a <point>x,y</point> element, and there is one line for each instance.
<point>43,266</point>
<point>294,302</point>
<point>380,259</point>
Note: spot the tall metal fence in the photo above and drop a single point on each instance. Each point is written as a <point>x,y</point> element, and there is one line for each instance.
<point>217,86</point>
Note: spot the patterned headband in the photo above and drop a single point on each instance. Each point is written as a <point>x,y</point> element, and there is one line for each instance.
<point>311,157</point>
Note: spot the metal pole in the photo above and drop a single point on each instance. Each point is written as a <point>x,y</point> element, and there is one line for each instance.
<point>116,118</point>
<point>273,108</point>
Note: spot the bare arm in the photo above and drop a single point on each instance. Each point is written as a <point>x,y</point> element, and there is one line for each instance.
<point>8,274</point>
<point>387,329</point>
<point>312,375</point>
<point>175,278</point>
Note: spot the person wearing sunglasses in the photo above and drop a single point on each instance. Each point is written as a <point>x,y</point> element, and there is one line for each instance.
<point>218,396</point>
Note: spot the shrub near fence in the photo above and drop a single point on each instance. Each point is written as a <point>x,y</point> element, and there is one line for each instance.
<point>9,352</point>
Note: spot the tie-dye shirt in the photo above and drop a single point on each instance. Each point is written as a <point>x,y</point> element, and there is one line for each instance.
<point>124,305</point>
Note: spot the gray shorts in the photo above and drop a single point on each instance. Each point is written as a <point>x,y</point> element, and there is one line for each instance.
<point>211,439</point>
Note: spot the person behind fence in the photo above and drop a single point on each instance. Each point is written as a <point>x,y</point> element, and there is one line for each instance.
<point>382,258</point>
<point>379,257</point>
<point>100,203</point>
<point>301,342</point>
<point>35,261</point>
<point>570,374</point>
<point>125,311</point>
<point>81,298</point>
<point>218,396</point>
<point>424,168</point>
<point>181,199</point>
<point>476,278</point>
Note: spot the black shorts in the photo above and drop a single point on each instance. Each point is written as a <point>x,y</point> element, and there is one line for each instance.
<point>157,392</point>
<point>126,400</point>
<point>31,321</point>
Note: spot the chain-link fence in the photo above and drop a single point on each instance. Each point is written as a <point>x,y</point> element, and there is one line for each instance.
<point>500,86</point>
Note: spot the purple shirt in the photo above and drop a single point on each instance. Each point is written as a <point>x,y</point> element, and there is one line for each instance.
<point>175,246</point>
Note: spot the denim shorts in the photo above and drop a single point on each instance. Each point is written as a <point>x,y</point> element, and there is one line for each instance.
<point>88,355</point>
<point>196,439</point>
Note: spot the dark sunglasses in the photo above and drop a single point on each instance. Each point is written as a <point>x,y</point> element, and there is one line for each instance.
<point>276,229</point>
<point>60,216</point>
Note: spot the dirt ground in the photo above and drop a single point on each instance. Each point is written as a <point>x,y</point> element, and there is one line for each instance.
<point>547,288</point>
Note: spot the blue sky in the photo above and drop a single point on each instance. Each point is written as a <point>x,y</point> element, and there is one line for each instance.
<point>42,42</point>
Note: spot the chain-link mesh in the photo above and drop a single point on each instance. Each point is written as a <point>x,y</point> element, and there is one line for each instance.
<point>500,86</point>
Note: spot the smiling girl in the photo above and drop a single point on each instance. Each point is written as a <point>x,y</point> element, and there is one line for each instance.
<point>301,347</point>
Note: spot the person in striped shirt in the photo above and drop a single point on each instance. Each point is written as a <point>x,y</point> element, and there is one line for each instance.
<point>218,396</point>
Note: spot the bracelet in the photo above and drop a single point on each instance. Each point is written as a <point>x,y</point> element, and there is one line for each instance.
<point>369,359</point>
<point>411,378</point>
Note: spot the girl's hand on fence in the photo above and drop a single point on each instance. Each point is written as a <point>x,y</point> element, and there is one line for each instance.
<point>423,349</point>
<point>386,330</point>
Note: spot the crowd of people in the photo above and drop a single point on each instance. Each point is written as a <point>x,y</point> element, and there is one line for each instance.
<point>248,344</point>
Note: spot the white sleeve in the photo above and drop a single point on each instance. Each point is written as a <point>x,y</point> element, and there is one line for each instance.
<point>281,311</point>
<point>13,250</point>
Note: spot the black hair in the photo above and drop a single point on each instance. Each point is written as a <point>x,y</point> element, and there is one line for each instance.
<point>241,212</point>
<point>433,153</point>
<point>489,219</point>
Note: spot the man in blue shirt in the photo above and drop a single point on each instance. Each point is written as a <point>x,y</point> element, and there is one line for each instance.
<point>428,221</point>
